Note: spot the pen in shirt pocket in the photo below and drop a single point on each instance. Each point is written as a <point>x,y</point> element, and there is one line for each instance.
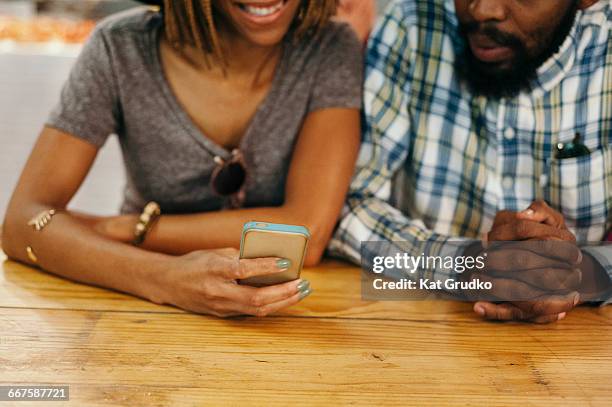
<point>573,149</point>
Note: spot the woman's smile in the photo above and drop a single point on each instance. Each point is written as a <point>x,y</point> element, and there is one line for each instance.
<point>262,12</point>
<point>260,22</point>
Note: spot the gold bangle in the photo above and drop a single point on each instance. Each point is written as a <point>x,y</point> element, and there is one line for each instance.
<point>147,219</point>
<point>31,255</point>
<point>40,221</point>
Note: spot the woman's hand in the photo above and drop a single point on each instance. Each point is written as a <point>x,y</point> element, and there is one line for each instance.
<point>206,282</point>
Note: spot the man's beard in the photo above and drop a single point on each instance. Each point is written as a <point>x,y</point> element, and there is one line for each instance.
<point>490,80</point>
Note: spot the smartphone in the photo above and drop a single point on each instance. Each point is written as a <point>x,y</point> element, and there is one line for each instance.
<point>264,239</point>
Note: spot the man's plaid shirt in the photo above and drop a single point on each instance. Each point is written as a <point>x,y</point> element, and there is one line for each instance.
<point>437,162</point>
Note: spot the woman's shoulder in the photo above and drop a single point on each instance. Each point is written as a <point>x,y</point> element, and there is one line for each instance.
<point>125,36</point>
<point>332,64</point>
<point>337,35</point>
<point>137,20</point>
<point>336,40</point>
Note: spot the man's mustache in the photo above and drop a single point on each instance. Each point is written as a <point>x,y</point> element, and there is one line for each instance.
<point>489,30</point>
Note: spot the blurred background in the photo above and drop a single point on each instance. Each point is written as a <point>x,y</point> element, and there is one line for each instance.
<point>39,41</point>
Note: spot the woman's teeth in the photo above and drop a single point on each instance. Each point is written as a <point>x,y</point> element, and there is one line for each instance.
<point>261,11</point>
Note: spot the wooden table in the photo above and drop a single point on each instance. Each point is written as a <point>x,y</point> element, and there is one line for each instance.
<point>332,349</point>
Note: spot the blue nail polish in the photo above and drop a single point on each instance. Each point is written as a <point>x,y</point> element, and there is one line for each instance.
<point>303,285</point>
<point>305,293</point>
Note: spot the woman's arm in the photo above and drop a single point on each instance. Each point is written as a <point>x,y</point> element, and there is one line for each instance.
<point>203,282</point>
<point>318,180</point>
<point>55,170</point>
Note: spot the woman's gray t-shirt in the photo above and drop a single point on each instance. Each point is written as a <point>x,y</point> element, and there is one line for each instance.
<point>118,86</point>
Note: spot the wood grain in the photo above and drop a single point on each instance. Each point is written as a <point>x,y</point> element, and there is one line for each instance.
<point>336,286</point>
<point>333,349</point>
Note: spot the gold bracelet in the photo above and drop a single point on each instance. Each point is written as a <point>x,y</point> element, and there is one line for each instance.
<point>31,255</point>
<point>40,221</point>
<point>147,219</point>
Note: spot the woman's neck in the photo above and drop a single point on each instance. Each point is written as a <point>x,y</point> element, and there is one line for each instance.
<point>253,65</point>
<point>245,60</point>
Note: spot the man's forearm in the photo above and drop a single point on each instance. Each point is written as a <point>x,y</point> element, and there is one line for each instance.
<point>393,232</point>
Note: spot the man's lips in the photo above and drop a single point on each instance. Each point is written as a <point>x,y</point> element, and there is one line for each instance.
<point>487,50</point>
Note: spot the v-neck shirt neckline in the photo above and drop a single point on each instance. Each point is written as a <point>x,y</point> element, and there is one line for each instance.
<point>185,119</point>
<point>117,87</point>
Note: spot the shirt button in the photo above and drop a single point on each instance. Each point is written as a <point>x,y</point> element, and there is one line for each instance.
<point>507,182</point>
<point>509,133</point>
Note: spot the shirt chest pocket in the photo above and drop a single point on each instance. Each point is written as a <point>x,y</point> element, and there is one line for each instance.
<point>580,189</point>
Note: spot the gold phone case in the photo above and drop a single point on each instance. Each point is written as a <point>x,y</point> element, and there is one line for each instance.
<point>261,239</point>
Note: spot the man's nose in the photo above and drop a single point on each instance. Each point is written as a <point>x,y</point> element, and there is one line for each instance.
<point>488,10</point>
